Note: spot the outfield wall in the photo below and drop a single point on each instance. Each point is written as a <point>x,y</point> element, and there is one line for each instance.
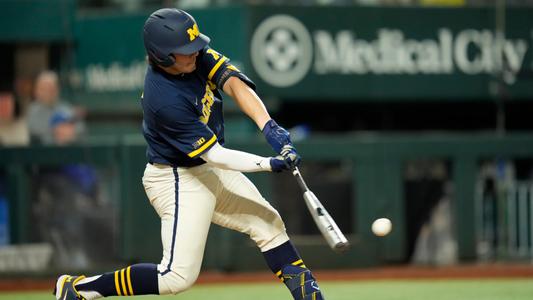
<point>377,166</point>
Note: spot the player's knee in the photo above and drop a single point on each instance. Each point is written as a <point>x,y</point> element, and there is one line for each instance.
<point>174,282</point>
<point>273,242</point>
<point>269,234</point>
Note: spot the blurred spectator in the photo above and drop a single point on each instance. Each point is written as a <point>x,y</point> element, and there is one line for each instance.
<point>63,125</point>
<point>13,132</point>
<point>13,128</point>
<point>45,106</point>
<point>74,187</point>
<point>23,92</point>
<point>81,176</point>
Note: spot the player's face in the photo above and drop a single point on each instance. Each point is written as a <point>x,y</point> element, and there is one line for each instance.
<point>183,64</point>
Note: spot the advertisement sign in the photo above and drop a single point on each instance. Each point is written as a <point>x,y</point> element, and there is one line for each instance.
<point>390,53</point>
<point>328,53</point>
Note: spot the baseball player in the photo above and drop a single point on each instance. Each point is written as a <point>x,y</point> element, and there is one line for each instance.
<point>191,179</point>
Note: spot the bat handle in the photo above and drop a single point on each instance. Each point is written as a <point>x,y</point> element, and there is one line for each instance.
<point>300,179</point>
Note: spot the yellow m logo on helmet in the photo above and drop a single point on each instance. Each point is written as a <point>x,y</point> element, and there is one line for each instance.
<point>193,32</point>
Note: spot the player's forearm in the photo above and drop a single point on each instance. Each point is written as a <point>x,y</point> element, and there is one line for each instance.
<point>236,160</point>
<point>247,100</point>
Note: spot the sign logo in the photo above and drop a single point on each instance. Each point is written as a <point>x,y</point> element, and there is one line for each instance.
<point>193,32</point>
<point>281,50</point>
<point>198,143</point>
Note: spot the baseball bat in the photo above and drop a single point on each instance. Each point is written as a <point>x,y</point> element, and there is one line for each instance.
<point>325,223</point>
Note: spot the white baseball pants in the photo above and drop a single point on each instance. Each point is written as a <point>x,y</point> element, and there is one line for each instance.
<point>187,200</point>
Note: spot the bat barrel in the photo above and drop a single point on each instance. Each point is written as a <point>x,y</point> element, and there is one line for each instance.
<point>325,223</point>
<point>342,247</point>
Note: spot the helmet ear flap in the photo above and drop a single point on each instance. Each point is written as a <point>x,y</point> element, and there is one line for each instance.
<point>162,60</point>
<point>168,61</point>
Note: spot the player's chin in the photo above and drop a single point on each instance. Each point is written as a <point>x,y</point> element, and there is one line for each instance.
<point>188,68</point>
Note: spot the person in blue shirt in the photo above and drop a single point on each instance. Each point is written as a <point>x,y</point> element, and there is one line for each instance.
<point>191,179</point>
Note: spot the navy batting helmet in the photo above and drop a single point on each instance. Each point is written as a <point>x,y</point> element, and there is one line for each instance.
<point>171,30</point>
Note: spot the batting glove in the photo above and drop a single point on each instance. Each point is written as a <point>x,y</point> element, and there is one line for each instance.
<point>276,136</point>
<point>278,164</point>
<point>291,157</point>
<point>288,159</point>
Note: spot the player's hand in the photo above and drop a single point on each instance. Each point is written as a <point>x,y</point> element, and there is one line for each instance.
<point>276,136</point>
<point>288,159</point>
<point>291,157</point>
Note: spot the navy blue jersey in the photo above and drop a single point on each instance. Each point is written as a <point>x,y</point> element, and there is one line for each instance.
<point>182,114</point>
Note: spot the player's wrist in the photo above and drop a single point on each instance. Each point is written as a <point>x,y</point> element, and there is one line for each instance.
<point>278,164</point>
<point>268,125</point>
<point>265,164</point>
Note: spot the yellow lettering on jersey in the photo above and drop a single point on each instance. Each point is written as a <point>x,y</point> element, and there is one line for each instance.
<point>215,54</point>
<point>207,102</point>
<point>212,86</point>
<point>193,32</point>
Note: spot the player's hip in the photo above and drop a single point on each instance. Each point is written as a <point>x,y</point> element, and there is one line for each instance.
<point>200,179</point>
<point>157,171</point>
<point>184,178</point>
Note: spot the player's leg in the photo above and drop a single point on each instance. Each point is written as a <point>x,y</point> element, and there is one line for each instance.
<point>241,207</point>
<point>185,206</point>
<point>183,253</point>
<point>140,279</point>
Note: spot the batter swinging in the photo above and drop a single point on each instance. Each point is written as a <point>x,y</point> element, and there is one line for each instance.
<point>191,179</point>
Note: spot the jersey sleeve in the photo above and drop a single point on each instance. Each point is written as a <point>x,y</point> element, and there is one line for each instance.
<point>218,69</point>
<point>181,127</point>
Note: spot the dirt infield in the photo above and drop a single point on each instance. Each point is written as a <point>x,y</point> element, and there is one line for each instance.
<point>386,273</point>
<point>400,272</point>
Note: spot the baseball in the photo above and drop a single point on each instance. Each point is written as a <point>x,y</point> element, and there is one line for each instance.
<point>381,227</point>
